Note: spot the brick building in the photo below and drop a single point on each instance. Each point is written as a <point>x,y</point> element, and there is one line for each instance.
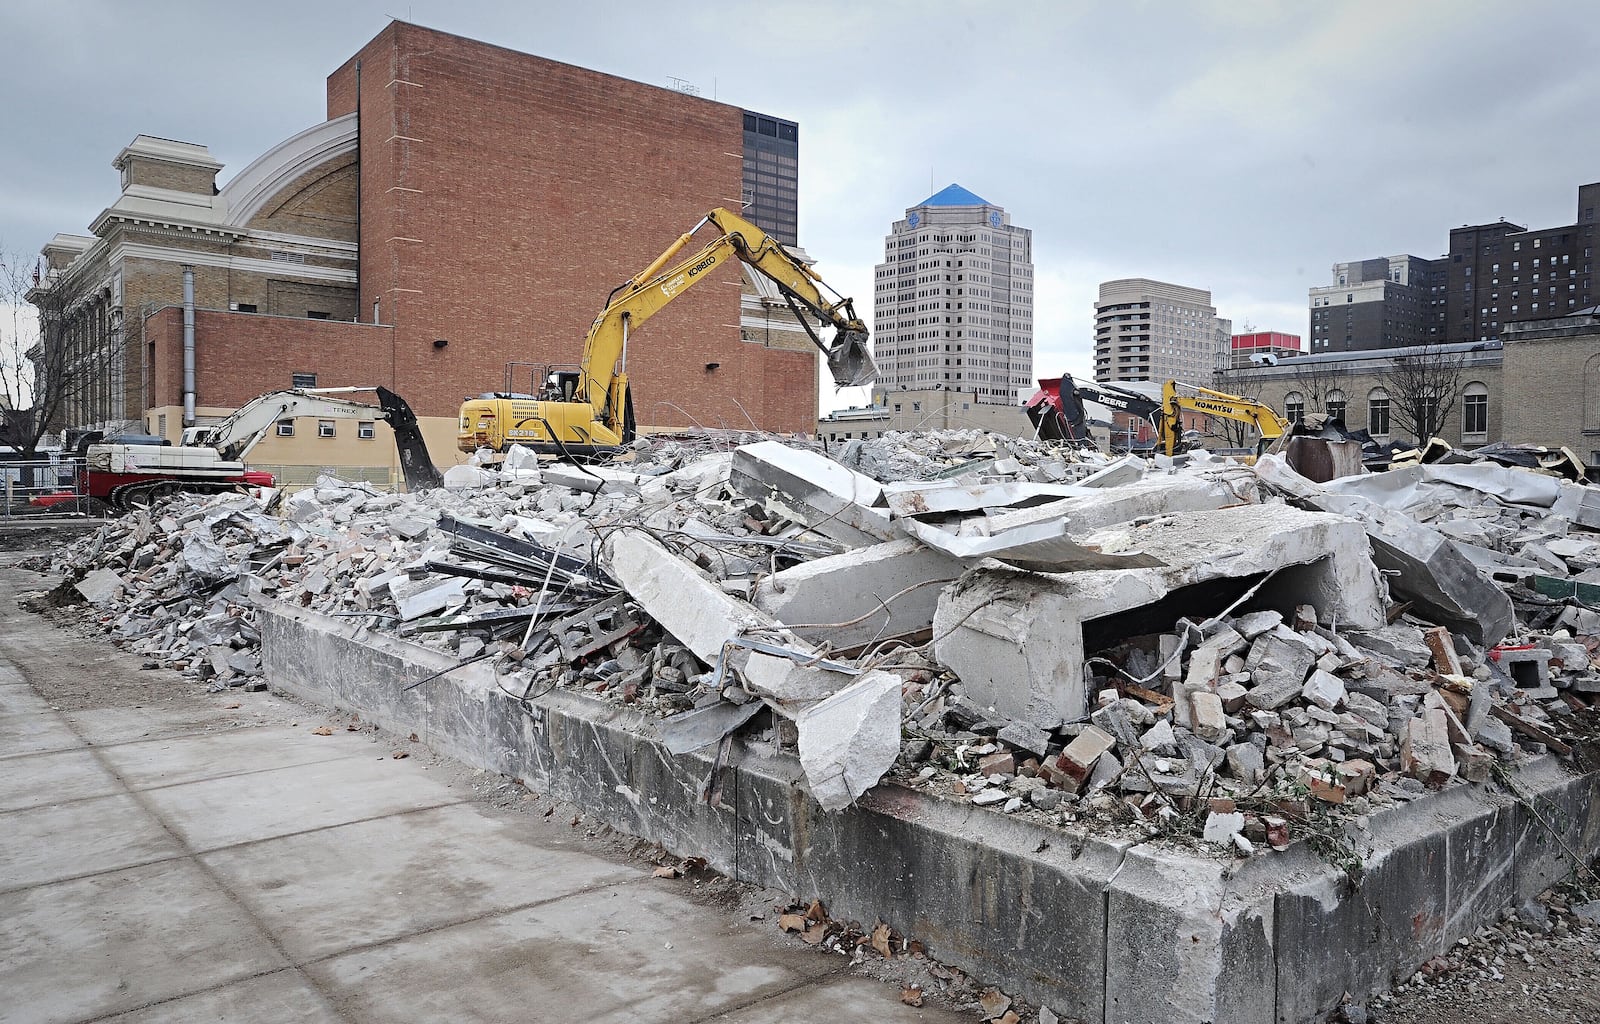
<point>1490,275</point>
<point>462,207</point>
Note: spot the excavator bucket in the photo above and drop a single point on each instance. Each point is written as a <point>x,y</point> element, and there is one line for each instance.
<point>850,361</point>
<point>415,463</point>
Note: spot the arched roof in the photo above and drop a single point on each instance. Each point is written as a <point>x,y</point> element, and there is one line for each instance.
<point>254,187</point>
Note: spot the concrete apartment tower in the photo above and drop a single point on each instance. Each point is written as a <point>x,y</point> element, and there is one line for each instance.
<point>953,300</point>
<point>1151,331</point>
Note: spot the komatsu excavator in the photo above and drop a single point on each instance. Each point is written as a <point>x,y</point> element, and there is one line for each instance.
<point>588,410</point>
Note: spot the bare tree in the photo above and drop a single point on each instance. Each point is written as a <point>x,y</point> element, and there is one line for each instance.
<point>1241,382</point>
<point>1423,386</point>
<point>19,333</point>
<point>1314,381</point>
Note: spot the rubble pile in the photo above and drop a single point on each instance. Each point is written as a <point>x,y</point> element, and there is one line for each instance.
<point>1190,647</point>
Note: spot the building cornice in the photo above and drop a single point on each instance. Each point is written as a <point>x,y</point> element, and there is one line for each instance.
<point>164,254</point>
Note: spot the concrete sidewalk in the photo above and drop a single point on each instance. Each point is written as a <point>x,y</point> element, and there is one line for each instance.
<point>170,855</point>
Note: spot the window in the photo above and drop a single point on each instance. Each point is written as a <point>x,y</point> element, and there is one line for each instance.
<point>286,428</point>
<point>365,430</point>
<point>1294,407</point>
<point>1378,412</point>
<point>245,307</point>
<point>325,428</point>
<point>1475,409</point>
<point>1335,403</point>
<point>316,314</point>
<point>302,380</point>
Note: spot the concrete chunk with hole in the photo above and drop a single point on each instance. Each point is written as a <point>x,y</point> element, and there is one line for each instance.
<point>1016,638</point>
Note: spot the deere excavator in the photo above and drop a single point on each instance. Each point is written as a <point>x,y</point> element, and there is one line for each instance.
<point>1057,411</point>
<point>587,411</point>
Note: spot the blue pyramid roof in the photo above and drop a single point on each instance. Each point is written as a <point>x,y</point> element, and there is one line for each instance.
<point>954,195</point>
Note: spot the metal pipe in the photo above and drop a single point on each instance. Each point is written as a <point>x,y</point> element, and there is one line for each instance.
<point>188,346</point>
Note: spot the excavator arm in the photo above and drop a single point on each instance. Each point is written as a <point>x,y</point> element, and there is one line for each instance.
<point>605,351</point>
<point>1178,398</point>
<point>235,437</point>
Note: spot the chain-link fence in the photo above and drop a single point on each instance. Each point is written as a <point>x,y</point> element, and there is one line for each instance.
<point>41,487</point>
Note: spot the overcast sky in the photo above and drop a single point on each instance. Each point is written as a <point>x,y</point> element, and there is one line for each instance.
<point>1242,146</point>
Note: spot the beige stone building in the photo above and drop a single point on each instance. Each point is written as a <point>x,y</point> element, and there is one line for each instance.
<point>1551,392</point>
<point>1540,384</point>
<point>905,409</point>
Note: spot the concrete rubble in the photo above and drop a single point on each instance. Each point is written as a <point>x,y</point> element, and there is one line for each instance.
<point>1213,653</point>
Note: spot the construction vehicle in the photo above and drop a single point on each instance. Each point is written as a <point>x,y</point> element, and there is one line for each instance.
<point>1058,413</point>
<point>587,410</point>
<point>211,458</point>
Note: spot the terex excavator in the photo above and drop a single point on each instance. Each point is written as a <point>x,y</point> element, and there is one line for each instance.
<point>588,410</point>
<point>1057,412</point>
<point>211,458</point>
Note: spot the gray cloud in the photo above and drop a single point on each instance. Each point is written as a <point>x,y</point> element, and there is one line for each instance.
<point>1239,145</point>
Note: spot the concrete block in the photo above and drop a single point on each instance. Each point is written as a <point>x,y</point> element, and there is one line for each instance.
<point>1209,719</point>
<point>1324,689</point>
<point>416,598</point>
<point>1079,757</point>
<point>855,585</point>
<point>849,740</point>
<point>1399,644</point>
<point>1425,752</point>
<point>99,586</point>
<point>1124,471</point>
<point>813,489</point>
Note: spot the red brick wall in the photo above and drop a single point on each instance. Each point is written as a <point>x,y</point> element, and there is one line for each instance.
<point>505,195</point>
<point>241,355</point>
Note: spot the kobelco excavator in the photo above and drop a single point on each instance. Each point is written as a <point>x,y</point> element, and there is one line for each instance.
<point>588,411</point>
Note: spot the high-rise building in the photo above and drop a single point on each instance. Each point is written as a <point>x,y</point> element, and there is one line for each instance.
<point>772,175</point>
<point>1148,330</point>
<point>953,300</point>
<point>1387,302</point>
<point>1491,275</point>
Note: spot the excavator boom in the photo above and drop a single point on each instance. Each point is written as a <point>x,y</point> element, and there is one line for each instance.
<point>596,416</point>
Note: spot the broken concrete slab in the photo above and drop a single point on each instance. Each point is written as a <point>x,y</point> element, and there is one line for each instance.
<point>1044,547</point>
<point>1151,496</point>
<point>416,598</point>
<point>1016,639</point>
<point>920,498</point>
<point>849,740</point>
<point>850,591</point>
<point>812,489</point>
<point>99,586</point>
<point>678,595</point>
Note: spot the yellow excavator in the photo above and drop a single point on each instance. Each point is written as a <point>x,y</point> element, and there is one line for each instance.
<point>587,411</point>
<point>1057,412</point>
<point>1178,398</point>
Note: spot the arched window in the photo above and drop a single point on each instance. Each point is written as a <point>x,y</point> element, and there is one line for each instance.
<point>1294,407</point>
<point>1475,412</point>
<point>1378,412</point>
<point>1334,402</point>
